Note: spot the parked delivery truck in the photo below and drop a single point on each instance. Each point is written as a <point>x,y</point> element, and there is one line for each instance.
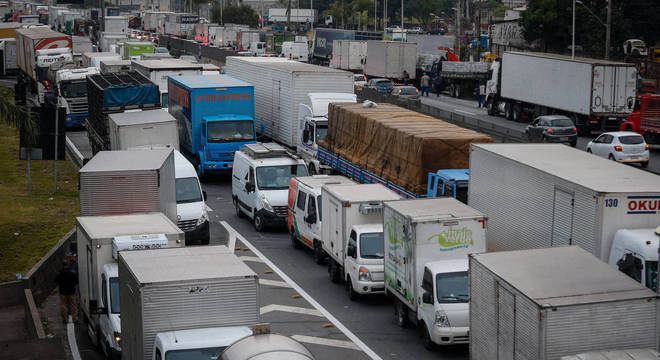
<point>158,72</point>
<point>426,246</point>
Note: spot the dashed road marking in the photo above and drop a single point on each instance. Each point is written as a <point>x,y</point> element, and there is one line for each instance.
<point>73,345</point>
<point>274,283</point>
<point>291,309</point>
<point>327,342</point>
<point>250,258</point>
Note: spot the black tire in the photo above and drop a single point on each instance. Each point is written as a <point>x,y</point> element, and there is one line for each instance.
<point>490,106</point>
<point>239,213</point>
<point>401,314</point>
<point>294,239</point>
<point>333,271</point>
<point>574,144</point>
<point>350,292</point>
<point>258,223</point>
<point>515,113</point>
<point>589,151</point>
<point>644,164</point>
<point>611,157</point>
<point>426,338</point>
<point>508,111</point>
<point>312,169</point>
<point>457,91</point>
<point>319,257</point>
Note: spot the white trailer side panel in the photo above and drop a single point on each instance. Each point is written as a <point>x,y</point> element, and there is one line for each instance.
<point>389,59</point>
<point>554,83</point>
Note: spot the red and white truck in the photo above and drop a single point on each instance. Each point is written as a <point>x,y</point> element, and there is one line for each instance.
<point>645,118</point>
<point>36,50</point>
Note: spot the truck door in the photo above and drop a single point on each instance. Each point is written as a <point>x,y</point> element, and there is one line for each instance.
<point>506,323</point>
<point>313,214</point>
<point>333,225</point>
<point>301,216</point>
<point>562,218</point>
<point>609,88</point>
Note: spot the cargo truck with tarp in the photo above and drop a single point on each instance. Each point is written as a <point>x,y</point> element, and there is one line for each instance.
<point>114,92</point>
<point>394,146</point>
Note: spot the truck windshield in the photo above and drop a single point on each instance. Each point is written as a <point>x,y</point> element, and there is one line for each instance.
<point>114,295</point>
<point>278,177</point>
<point>195,354</point>
<point>452,287</point>
<point>372,246</point>
<point>74,89</point>
<point>652,275</point>
<point>321,132</point>
<point>230,131</point>
<point>187,190</point>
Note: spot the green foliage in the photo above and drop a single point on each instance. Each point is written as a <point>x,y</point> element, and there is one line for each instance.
<point>17,117</point>
<point>235,13</point>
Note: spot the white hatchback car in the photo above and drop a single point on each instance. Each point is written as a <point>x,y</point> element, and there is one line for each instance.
<point>621,146</point>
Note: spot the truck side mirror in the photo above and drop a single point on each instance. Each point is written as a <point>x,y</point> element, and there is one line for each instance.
<point>427,298</point>
<point>249,187</point>
<point>351,251</point>
<point>305,135</point>
<point>93,304</point>
<point>204,195</point>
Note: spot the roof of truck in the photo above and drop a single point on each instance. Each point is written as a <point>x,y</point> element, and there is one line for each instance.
<point>39,33</point>
<point>104,227</point>
<point>120,160</point>
<point>568,58</point>
<point>209,81</point>
<point>317,181</point>
<point>185,263</point>
<point>560,276</point>
<point>361,192</point>
<point>282,64</point>
<point>94,54</point>
<point>167,64</point>
<point>142,117</point>
<point>420,210</point>
<point>578,167</point>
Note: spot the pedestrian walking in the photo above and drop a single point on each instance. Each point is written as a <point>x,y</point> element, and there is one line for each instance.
<point>424,83</point>
<point>437,85</point>
<point>67,280</point>
<point>482,95</point>
<point>406,77</point>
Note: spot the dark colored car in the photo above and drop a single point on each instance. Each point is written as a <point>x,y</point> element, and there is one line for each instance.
<point>552,128</point>
<point>381,85</point>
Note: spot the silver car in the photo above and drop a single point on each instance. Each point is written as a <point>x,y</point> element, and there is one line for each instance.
<point>552,128</point>
<point>405,92</point>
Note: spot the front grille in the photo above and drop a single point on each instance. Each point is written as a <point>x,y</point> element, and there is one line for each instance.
<point>187,225</point>
<point>280,210</point>
<point>79,108</point>
<point>377,276</point>
<point>224,156</point>
<point>462,339</point>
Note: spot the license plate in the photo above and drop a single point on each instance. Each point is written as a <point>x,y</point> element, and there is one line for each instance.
<point>563,138</point>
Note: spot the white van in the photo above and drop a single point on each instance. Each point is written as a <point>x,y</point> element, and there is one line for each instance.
<point>260,182</point>
<point>297,51</point>
<point>191,213</point>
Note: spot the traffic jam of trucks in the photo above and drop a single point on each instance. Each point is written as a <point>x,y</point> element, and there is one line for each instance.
<point>481,244</point>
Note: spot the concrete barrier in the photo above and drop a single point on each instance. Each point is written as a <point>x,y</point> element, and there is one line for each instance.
<point>32,319</point>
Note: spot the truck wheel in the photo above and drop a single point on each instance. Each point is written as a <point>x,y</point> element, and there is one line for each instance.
<point>508,113</point>
<point>258,223</point>
<point>457,91</point>
<point>644,164</point>
<point>401,313</point>
<point>352,295</point>
<point>490,106</point>
<point>516,113</point>
<point>333,271</point>
<point>294,239</point>
<point>426,338</point>
<point>318,253</point>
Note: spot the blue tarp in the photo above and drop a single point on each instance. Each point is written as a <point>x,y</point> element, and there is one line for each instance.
<point>124,95</point>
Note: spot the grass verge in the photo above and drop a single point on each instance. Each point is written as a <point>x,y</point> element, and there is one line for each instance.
<point>30,224</point>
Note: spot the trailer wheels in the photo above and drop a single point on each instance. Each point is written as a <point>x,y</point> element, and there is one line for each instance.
<point>490,107</point>
<point>508,113</point>
<point>515,114</point>
<point>401,313</point>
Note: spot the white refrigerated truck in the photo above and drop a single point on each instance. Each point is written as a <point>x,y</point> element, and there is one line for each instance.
<point>100,238</point>
<point>352,234</point>
<point>389,59</point>
<point>427,242</point>
<point>348,54</point>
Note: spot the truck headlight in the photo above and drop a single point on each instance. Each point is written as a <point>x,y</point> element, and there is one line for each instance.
<point>117,337</point>
<point>267,205</point>
<point>365,275</point>
<point>202,219</point>
<point>441,319</point>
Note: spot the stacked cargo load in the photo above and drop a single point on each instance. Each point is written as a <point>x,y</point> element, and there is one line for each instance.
<point>397,144</point>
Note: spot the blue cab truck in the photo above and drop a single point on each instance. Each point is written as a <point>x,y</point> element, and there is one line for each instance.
<point>215,117</point>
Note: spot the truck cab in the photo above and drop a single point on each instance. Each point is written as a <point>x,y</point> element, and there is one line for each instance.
<point>313,125</point>
<point>443,304</point>
<point>45,58</point>
<point>257,48</point>
<point>645,118</point>
<point>364,264</point>
<point>635,253</point>
<point>71,88</point>
<point>191,213</point>
<point>208,343</point>
<point>108,310</point>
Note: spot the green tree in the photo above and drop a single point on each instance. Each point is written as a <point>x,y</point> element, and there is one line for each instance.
<point>235,13</point>
<point>547,21</point>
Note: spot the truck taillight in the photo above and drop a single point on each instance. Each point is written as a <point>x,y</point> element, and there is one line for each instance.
<point>618,148</point>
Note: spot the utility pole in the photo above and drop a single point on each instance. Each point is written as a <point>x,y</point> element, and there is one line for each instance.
<point>573,36</point>
<point>57,120</point>
<point>401,20</point>
<point>458,27</point>
<point>384,18</point>
<point>608,29</point>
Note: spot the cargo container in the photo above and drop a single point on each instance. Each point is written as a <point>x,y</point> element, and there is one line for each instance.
<point>541,195</point>
<point>348,54</point>
<point>100,239</point>
<point>155,21</point>
<point>135,129</point>
<point>180,24</point>
<point>7,29</point>
<point>128,182</point>
<point>322,44</point>
<point>158,72</point>
<point>215,116</point>
<point>548,303</point>
<point>108,41</point>
<point>179,289</point>
<point>115,66</point>
<point>8,62</point>
<point>247,37</point>
<point>131,50</point>
<point>596,94</point>
<point>426,246</point>
<point>389,59</point>
<point>108,93</point>
<point>94,59</point>
<point>280,86</point>
<point>295,16</point>
<point>115,24</point>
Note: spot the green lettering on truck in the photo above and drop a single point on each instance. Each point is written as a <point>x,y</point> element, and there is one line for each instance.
<point>453,239</point>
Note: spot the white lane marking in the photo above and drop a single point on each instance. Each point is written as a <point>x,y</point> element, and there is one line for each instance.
<point>208,208</point>
<point>464,112</point>
<point>71,335</point>
<point>231,243</point>
<point>75,149</point>
<point>313,302</point>
<point>292,309</point>
<point>250,258</point>
<point>273,283</point>
<point>327,342</point>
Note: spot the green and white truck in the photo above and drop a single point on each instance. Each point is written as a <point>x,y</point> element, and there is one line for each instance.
<point>131,50</point>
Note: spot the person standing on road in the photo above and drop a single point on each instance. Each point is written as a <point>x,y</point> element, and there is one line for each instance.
<point>67,281</point>
<point>482,95</point>
<point>424,83</point>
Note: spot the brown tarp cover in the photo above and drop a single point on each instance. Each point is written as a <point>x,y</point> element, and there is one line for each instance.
<point>398,144</point>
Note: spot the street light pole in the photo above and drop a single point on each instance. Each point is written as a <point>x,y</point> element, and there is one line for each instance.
<point>608,29</point>
<point>573,41</point>
<point>375,15</point>
<point>401,20</point>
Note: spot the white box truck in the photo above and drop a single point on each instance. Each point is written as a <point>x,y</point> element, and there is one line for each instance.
<point>115,24</point>
<point>136,128</point>
<point>541,195</point>
<point>426,246</point>
<point>115,66</point>
<point>108,41</point>
<point>388,59</point>
<point>94,59</point>
<point>181,289</point>
<point>548,303</point>
<point>348,54</point>
<point>100,238</point>
<point>352,234</point>
<point>8,63</point>
<point>159,70</point>
<point>128,182</point>
<point>280,85</point>
<point>596,94</point>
